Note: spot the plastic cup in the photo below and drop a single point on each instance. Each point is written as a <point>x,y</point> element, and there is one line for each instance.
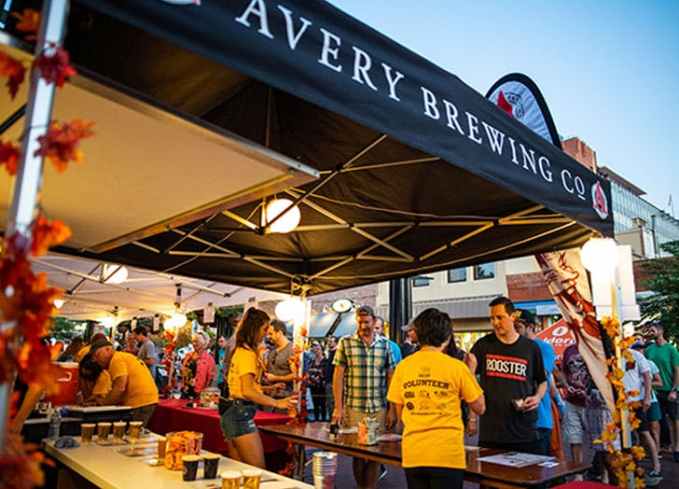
<point>162,443</point>
<point>103,430</point>
<point>134,431</point>
<point>211,465</point>
<point>119,430</point>
<point>87,432</point>
<point>190,467</point>
<point>230,479</point>
<point>251,478</point>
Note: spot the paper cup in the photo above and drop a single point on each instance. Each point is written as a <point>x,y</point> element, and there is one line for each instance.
<point>230,479</point>
<point>251,478</point>
<point>211,465</point>
<point>87,432</point>
<point>103,430</point>
<point>190,467</point>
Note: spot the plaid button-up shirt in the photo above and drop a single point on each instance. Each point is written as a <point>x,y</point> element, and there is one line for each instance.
<point>365,377</point>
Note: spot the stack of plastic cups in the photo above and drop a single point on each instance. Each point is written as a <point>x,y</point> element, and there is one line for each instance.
<point>324,470</point>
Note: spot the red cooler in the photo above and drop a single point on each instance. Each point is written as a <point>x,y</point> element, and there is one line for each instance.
<point>68,385</point>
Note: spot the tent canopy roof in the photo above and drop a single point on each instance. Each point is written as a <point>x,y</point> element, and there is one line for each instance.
<point>416,172</point>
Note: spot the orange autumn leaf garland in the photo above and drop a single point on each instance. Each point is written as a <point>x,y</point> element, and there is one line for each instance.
<point>48,233</point>
<point>9,156</point>
<point>14,71</point>
<point>60,143</point>
<point>55,66</point>
<point>28,22</point>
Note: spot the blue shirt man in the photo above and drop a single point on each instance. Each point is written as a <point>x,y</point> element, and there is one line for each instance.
<point>393,346</point>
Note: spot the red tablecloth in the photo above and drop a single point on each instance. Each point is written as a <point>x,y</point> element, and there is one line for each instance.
<point>173,415</point>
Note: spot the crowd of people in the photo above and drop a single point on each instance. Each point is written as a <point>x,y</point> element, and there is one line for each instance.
<point>510,389</point>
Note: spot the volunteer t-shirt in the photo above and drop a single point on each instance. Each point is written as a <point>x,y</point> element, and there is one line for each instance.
<point>243,362</point>
<point>429,385</point>
<point>508,372</point>
<point>141,390</point>
<point>666,358</point>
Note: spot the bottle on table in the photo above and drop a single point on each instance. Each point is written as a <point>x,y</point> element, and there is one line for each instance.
<point>53,432</point>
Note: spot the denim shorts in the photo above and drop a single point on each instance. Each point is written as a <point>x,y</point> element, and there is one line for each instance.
<point>238,420</point>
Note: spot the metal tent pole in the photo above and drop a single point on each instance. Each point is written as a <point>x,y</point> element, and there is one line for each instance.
<point>29,176</point>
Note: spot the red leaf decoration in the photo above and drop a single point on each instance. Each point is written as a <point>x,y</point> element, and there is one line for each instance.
<point>9,156</point>
<point>28,22</point>
<point>14,71</point>
<point>60,143</point>
<point>54,66</point>
<point>48,233</point>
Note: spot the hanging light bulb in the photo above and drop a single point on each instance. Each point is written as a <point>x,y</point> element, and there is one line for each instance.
<point>176,320</point>
<point>58,303</point>
<point>113,274</point>
<point>287,222</point>
<point>291,309</point>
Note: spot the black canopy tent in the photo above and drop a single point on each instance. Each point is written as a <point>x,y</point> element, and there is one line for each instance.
<point>418,172</point>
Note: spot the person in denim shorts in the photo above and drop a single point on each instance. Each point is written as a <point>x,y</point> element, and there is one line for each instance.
<point>243,391</point>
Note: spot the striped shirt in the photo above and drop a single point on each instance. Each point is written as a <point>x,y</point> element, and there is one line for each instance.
<point>365,377</point>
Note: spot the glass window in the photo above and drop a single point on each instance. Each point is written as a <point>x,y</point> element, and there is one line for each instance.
<point>487,270</point>
<point>421,281</point>
<point>457,275</point>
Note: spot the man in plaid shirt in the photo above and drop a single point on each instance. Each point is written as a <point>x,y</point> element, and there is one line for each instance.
<point>363,368</point>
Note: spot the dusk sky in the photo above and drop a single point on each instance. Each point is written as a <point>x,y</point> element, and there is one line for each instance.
<point>609,70</point>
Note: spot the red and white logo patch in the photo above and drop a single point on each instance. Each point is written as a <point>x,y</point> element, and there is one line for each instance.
<point>599,201</point>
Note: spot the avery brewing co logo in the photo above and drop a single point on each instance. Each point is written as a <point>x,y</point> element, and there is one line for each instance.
<point>599,201</point>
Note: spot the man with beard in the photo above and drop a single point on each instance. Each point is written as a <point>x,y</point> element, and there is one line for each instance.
<point>364,364</point>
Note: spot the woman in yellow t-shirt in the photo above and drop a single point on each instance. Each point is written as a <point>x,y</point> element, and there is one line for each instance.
<point>426,389</point>
<point>245,391</point>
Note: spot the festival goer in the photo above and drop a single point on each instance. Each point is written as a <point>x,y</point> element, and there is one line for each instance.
<point>94,382</point>
<point>69,354</point>
<point>132,384</point>
<point>395,349</point>
<point>223,354</point>
<point>147,350</point>
<point>279,362</point>
<point>131,344</point>
<point>86,347</point>
<point>666,357</point>
<point>637,380</point>
<point>245,391</point>
<point>431,385</point>
<point>316,371</point>
<point>363,363</point>
<point>513,377</point>
<point>331,349</point>
<point>199,365</point>
<point>410,344</point>
<point>525,325</point>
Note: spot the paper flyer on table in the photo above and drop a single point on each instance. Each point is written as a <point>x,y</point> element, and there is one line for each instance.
<point>515,459</point>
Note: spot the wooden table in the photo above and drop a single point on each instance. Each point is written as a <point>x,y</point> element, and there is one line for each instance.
<point>488,474</point>
<point>104,467</point>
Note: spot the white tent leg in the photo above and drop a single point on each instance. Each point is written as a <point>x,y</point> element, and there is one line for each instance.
<point>29,176</point>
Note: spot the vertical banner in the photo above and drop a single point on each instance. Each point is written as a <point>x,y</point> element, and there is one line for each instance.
<point>520,98</point>
<point>566,279</point>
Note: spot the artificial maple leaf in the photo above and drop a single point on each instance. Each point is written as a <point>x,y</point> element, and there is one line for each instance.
<point>15,72</point>
<point>48,233</point>
<point>60,143</point>
<point>54,65</point>
<point>9,156</point>
<point>28,22</point>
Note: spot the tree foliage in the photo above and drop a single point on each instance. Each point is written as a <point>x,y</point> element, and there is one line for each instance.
<point>663,305</point>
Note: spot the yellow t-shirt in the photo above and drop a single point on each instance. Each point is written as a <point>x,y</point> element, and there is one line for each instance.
<point>103,384</point>
<point>244,361</point>
<point>141,389</point>
<point>429,385</point>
